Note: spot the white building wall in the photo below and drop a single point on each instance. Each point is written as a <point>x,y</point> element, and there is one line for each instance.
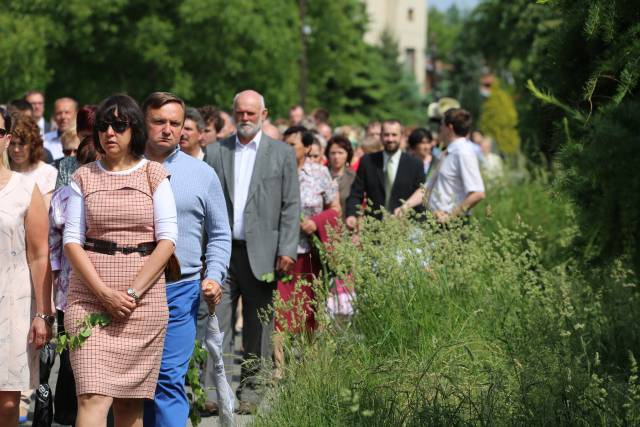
<point>407,21</point>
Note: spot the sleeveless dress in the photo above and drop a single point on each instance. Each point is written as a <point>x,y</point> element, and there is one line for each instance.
<point>121,360</point>
<point>18,358</point>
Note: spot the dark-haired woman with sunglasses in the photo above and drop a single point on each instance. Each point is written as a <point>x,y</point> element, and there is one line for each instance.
<point>26,154</point>
<point>25,281</point>
<point>121,230</point>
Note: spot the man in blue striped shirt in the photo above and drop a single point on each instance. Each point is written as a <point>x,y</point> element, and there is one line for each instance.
<point>201,207</point>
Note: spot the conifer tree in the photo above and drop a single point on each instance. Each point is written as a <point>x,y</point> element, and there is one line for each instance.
<point>499,119</point>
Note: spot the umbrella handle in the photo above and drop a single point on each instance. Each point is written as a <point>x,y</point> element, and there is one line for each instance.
<point>212,309</point>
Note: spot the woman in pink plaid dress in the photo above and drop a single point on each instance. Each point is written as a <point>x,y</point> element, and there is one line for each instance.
<point>121,231</point>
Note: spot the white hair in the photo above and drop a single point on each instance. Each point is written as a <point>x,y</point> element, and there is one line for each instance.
<point>260,97</point>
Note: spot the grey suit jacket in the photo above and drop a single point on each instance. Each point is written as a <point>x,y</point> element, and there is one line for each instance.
<point>272,212</point>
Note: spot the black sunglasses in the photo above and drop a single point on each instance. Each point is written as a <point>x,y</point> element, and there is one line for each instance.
<point>69,151</point>
<point>118,126</point>
<point>3,132</point>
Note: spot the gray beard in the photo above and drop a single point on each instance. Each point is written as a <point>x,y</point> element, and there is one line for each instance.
<point>250,133</point>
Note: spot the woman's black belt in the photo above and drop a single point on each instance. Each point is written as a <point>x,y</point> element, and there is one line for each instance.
<point>110,248</point>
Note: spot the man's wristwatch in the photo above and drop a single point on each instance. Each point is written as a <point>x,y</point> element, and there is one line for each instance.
<point>132,293</point>
<point>49,319</point>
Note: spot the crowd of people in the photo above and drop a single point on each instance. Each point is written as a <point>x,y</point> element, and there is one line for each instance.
<point>162,215</point>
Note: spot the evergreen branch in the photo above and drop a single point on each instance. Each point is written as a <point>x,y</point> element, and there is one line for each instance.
<point>589,89</point>
<point>548,98</point>
<point>628,80</point>
<point>592,23</point>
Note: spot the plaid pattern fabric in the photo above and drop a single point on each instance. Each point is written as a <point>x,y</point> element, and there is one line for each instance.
<point>121,360</point>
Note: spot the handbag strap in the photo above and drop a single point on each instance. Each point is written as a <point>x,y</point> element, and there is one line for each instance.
<point>146,171</point>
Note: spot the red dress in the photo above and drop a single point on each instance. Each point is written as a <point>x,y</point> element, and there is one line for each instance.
<point>317,189</point>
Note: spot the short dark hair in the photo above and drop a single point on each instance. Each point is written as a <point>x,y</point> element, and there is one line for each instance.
<point>306,136</point>
<point>156,100</point>
<point>211,114</point>
<point>21,105</point>
<point>460,119</point>
<point>321,115</point>
<point>417,135</point>
<point>342,142</point>
<point>391,122</point>
<point>127,109</point>
<point>7,118</point>
<point>193,114</point>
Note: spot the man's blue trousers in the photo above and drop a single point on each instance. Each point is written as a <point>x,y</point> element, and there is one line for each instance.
<point>170,407</point>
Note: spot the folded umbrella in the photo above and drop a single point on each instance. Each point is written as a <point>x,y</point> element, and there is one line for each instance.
<point>43,413</point>
<point>226,398</point>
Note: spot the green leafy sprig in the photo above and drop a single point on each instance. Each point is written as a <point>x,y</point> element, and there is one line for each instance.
<point>197,396</point>
<point>272,277</point>
<point>74,342</point>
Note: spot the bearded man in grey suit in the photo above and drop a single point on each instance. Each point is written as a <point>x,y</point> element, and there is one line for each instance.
<point>260,182</point>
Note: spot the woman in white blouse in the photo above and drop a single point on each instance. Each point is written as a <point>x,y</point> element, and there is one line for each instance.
<point>26,153</point>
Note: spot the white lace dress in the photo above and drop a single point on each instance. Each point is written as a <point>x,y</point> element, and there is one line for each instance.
<point>18,358</point>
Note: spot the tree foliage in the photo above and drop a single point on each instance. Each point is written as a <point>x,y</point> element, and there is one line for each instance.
<point>203,50</point>
<point>443,30</point>
<point>595,86</point>
<point>22,57</point>
<point>576,71</point>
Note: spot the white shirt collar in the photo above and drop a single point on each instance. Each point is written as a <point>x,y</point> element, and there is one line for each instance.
<point>456,144</point>
<point>395,155</point>
<point>253,144</point>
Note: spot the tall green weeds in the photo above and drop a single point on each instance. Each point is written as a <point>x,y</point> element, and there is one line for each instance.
<point>466,326</point>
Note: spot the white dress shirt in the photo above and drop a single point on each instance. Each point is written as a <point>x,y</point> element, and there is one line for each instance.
<point>243,162</point>
<point>53,143</point>
<point>457,176</point>
<point>41,126</point>
<point>394,163</point>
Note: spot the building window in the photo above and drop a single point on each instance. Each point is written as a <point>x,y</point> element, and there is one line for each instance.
<point>410,60</point>
<point>410,14</point>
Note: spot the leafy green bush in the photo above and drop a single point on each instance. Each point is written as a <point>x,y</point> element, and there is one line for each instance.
<point>460,326</point>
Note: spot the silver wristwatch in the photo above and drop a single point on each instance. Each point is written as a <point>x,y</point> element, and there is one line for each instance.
<point>133,294</point>
<point>49,319</point>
